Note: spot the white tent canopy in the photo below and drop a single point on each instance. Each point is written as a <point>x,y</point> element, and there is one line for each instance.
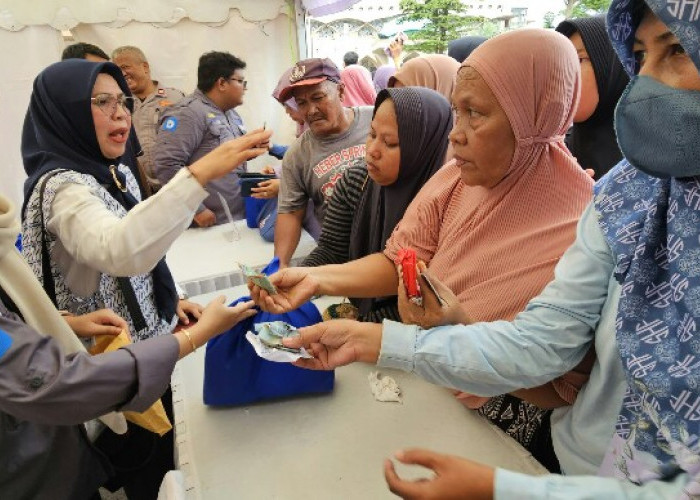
<point>173,34</point>
<point>66,14</point>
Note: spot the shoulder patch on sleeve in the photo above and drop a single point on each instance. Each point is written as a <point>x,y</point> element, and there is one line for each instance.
<point>5,343</point>
<point>170,124</point>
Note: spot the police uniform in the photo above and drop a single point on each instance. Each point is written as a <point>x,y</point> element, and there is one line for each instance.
<point>146,117</point>
<point>189,130</point>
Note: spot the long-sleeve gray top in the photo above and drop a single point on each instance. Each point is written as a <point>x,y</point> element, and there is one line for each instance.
<point>45,396</point>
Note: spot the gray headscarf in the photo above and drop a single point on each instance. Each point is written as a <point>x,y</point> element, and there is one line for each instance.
<point>424,120</point>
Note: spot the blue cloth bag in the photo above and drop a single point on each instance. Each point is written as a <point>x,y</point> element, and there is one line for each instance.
<point>235,375</point>
<point>252,209</point>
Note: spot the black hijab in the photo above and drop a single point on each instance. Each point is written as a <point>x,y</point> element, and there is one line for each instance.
<point>59,134</point>
<point>461,48</point>
<point>593,141</point>
<point>424,120</point>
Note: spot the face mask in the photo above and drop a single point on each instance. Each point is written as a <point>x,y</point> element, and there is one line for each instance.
<point>658,128</point>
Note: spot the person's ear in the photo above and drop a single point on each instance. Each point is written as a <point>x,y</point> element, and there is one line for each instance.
<point>341,91</point>
<point>147,67</point>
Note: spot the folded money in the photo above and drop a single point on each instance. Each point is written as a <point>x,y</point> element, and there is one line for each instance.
<point>257,278</point>
<point>278,355</point>
<point>268,342</point>
<point>272,333</point>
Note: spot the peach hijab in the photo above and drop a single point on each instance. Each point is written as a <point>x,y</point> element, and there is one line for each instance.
<point>433,71</point>
<point>496,248</point>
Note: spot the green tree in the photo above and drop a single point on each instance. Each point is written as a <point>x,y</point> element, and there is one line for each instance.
<point>549,19</point>
<point>445,20</point>
<point>489,29</point>
<point>584,8</point>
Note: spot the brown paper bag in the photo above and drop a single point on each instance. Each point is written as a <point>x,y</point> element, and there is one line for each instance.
<point>154,419</point>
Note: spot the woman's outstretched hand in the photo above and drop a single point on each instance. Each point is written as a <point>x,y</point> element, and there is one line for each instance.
<point>229,155</point>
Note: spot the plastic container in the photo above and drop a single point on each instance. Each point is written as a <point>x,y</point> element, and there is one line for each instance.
<point>249,180</point>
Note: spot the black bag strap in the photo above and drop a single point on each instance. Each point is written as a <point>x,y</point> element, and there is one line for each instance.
<point>46,274</point>
<point>9,304</point>
<point>132,303</point>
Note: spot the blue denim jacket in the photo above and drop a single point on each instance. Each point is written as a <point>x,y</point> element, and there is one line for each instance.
<point>545,341</point>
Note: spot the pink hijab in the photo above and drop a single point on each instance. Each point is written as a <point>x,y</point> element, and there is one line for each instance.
<point>496,248</point>
<point>359,88</point>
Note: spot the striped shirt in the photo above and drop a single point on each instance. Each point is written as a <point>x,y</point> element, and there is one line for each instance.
<point>334,242</point>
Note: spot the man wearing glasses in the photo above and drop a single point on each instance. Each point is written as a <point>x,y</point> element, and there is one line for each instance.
<point>199,123</point>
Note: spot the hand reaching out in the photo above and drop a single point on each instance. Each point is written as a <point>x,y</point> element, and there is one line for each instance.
<point>266,189</point>
<point>205,218</point>
<point>185,309</point>
<point>295,286</point>
<point>229,155</point>
<point>337,343</point>
<point>432,313</point>
<point>396,49</point>
<point>101,322</point>
<point>215,319</point>
<point>455,477</point>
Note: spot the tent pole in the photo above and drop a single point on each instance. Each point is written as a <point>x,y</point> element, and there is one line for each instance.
<point>303,30</point>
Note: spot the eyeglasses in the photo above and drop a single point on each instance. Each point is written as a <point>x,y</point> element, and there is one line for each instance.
<point>108,103</point>
<point>239,80</point>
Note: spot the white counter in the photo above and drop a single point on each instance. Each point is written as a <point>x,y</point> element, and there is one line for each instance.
<point>205,260</point>
<point>329,446</point>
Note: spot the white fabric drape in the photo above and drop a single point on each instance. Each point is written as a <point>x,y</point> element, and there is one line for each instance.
<point>65,14</point>
<point>325,7</point>
<point>22,55</point>
<point>268,46</point>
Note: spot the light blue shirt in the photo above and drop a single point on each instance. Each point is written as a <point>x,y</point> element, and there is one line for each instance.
<point>545,341</point>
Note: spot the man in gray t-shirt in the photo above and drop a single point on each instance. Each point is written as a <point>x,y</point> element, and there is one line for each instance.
<point>313,164</point>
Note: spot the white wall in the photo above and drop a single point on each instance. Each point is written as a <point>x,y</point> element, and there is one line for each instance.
<point>267,46</point>
<point>22,55</point>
